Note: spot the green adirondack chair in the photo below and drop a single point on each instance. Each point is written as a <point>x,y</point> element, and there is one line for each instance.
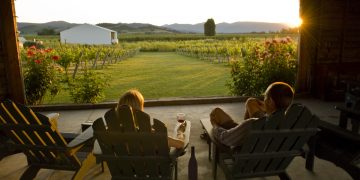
<point>270,146</point>
<point>4,149</point>
<point>40,141</point>
<point>131,149</point>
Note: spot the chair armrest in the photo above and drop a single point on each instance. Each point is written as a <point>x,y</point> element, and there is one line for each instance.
<point>69,136</point>
<point>97,149</point>
<point>209,131</point>
<point>179,152</point>
<point>174,153</point>
<point>186,133</point>
<point>323,125</point>
<point>81,139</point>
<point>348,110</point>
<point>53,118</point>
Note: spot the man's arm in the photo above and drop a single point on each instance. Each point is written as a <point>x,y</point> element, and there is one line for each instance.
<point>233,136</point>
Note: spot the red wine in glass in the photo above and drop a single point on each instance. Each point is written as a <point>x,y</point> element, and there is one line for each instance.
<point>181,120</point>
<point>180,117</point>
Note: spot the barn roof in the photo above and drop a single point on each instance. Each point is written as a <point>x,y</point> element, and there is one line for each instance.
<point>89,25</point>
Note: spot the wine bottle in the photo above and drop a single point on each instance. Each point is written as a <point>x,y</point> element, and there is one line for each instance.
<point>192,168</point>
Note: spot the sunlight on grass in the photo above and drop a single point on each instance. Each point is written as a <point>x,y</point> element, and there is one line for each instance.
<point>163,75</point>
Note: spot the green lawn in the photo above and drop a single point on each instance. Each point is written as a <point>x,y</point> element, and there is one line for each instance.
<point>162,75</point>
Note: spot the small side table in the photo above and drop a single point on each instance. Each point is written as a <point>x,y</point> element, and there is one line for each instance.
<point>352,114</point>
<point>86,125</point>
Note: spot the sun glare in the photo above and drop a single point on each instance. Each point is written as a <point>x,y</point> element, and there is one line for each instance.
<point>296,22</point>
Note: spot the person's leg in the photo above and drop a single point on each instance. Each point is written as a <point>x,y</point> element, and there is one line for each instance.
<point>253,108</point>
<point>221,118</point>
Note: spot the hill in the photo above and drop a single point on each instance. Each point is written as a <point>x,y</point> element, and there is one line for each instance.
<point>136,28</point>
<point>187,28</point>
<point>237,27</point>
<point>34,28</point>
<point>57,26</point>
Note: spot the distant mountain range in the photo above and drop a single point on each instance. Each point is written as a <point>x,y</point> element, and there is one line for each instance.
<point>34,28</point>
<point>136,28</point>
<point>237,27</point>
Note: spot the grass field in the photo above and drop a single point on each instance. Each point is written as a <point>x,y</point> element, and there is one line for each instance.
<point>162,75</point>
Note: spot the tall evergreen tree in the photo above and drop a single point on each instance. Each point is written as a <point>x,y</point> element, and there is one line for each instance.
<point>209,27</point>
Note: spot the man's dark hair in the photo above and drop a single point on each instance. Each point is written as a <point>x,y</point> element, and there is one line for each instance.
<point>282,94</point>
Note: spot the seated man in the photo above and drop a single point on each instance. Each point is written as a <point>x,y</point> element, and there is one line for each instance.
<point>278,95</point>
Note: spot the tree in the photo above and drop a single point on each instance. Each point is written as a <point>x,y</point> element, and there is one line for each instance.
<point>294,30</point>
<point>209,27</point>
<point>47,31</point>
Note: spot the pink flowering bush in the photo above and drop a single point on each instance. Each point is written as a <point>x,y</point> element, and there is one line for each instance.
<point>263,64</point>
<point>42,73</point>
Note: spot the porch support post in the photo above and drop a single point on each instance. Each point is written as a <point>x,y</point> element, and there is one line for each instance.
<point>9,54</point>
<point>308,41</point>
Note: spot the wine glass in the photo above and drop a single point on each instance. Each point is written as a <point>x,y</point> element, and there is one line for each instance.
<point>180,117</point>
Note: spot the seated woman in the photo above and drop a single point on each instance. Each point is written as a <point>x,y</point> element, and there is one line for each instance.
<point>135,100</point>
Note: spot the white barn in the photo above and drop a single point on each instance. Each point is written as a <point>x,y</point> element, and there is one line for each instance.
<point>88,34</point>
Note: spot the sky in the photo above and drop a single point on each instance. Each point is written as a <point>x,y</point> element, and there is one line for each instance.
<point>157,12</point>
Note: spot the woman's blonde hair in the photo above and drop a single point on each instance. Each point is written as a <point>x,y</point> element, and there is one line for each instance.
<point>132,98</point>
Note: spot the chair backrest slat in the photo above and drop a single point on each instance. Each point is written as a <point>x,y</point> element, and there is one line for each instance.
<point>281,135</point>
<point>110,122</point>
<point>257,143</point>
<point>143,121</point>
<point>127,120</point>
<point>301,118</point>
<point>35,135</point>
<point>162,143</point>
<point>125,146</point>
<point>262,142</point>
<point>294,118</point>
<point>46,135</point>
<point>10,116</point>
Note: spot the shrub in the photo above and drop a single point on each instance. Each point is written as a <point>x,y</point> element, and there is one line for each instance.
<point>47,31</point>
<point>88,87</point>
<point>28,44</point>
<point>262,65</point>
<point>41,74</point>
